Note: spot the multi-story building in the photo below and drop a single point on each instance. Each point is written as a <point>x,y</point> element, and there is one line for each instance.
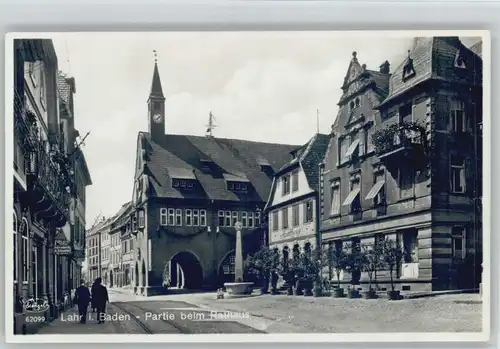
<point>401,164</point>
<point>189,192</point>
<point>44,181</point>
<point>104,254</point>
<point>118,226</point>
<point>93,249</point>
<point>73,270</point>
<point>293,204</point>
<point>127,249</point>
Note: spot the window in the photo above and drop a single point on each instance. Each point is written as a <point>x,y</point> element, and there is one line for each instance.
<point>459,61</point>
<point>190,185</point>
<point>406,113</point>
<point>353,199</point>
<point>244,219</point>
<point>221,218</point>
<point>257,219</point>
<point>14,237</point>
<point>377,192</point>
<point>141,219</point>
<point>235,218</point>
<point>457,174</point>
<point>406,175</point>
<point>295,180</point>
<point>457,115</point>
<point>178,217</point>
<point>295,215</point>
<point>227,221</point>
<point>183,184</point>
<point>203,218</point>
<point>357,101</point>
<point>344,144</point>
<point>284,217</point>
<point>189,217</point>
<point>285,182</point>
<point>275,221</point>
<point>163,216</point>
<point>229,266</point>
<point>134,222</point>
<point>307,249</point>
<point>335,197</point>
<point>196,218</point>
<point>458,242</point>
<point>250,219</point>
<point>230,186</point>
<point>175,183</point>
<point>237,186</point>
<point>243,186</point>
<point>308,211</point>
<point>25,251</point>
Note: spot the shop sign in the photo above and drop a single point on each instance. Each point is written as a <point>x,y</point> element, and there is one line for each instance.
<point>62,248</point>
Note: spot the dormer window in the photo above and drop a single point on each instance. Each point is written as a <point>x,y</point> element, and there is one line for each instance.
<point>408,69</point>
<point>237,186</point>
<point>236,182</point>
<point>459,61</point>
<point>182,178</point>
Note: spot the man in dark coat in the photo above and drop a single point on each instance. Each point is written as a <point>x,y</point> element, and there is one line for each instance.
<point>100,297</point>
<point>82,299</point>
<point>93,306</point>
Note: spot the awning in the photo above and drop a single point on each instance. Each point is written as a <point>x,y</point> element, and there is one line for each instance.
<point>181,173</point>
<point>350,198</point>
<point>354,145</point>
<point>375,190</point>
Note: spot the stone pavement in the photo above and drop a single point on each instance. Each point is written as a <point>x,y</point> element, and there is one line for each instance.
<point>444,313</point>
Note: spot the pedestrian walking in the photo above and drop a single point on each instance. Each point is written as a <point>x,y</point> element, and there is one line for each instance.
<point>100,297</point>
<point>94,307</point>
<point>82,299</point>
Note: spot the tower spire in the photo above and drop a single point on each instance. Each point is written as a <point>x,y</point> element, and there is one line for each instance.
<point>156,90</point>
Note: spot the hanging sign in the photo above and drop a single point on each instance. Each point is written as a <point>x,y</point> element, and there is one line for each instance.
<point>62,248</point>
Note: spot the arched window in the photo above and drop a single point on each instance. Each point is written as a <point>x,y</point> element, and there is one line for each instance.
<point>296,252</point>
<point>357,102</point>
<point>14,237</point>
<point>25,249</point>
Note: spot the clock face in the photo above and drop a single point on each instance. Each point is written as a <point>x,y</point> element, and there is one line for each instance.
<point>157,118</point>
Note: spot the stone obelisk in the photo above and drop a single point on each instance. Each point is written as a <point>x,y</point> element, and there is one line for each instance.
<point>238,258</point>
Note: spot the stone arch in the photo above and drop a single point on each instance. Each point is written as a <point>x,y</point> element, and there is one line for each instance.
<point>308,248</point>
<point>225,269</point>
<point>184,270</point>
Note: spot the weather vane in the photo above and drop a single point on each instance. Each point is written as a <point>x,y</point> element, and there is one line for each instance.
<point>156,56</point>
<point>211,124</point>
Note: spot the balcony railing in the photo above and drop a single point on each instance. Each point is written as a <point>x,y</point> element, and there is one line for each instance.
<point>399,137</point>
<point>49,176</point>
<point>25,123</point>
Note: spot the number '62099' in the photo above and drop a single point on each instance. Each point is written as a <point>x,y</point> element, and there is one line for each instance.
<point>32,319</point>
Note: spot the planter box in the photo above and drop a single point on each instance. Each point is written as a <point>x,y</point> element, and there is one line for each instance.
<point>393,295</point>
<point>369,294</point>
<point>239,288</point>
<point>338,292</point>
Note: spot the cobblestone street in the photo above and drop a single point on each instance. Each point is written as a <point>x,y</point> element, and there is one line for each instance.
<point>445,313</point>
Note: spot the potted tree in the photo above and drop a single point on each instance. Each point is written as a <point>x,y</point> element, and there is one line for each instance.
<point>354,264</point>
<point>311,265</point>
<point>391,255</point>
<point>337,258</point>
<point>372,261</point>
<point>261,264</point>
<point>275,258</point>
<point>297,274</point>
<point>285,269</point>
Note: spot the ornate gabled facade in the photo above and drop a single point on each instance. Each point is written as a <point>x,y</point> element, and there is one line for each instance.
<point>189,192</point>
<point>414,177</point>
<point>292,208</point>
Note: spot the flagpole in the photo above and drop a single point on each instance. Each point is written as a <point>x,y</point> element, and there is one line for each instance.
<point>317,120</point>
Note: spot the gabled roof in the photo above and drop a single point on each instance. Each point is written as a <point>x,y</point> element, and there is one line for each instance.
<point>231,158</point>
<point>358,78</point>
<point>311,155</point>
<point>434,58</point>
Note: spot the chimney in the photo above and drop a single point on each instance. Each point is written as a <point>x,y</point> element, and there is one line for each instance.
<point>385,68</point>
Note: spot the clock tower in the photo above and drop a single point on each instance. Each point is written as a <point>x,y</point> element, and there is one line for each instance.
<point>156,108</point>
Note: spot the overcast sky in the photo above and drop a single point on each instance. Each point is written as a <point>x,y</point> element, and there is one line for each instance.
<point>260,86</point>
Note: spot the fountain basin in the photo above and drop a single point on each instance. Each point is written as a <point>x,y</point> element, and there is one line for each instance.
<point>238,289</point>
